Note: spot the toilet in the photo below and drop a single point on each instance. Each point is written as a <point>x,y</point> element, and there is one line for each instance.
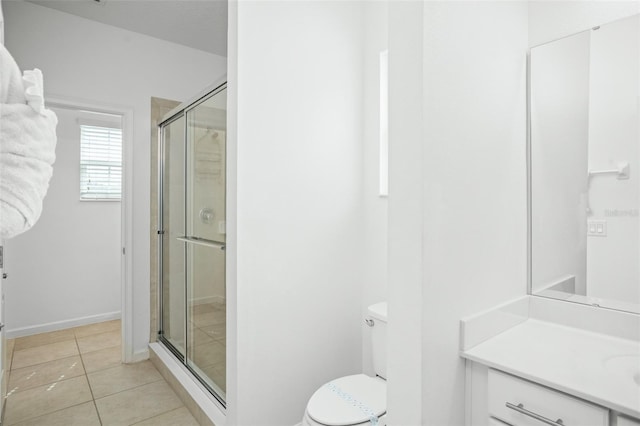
<point>357,399</point>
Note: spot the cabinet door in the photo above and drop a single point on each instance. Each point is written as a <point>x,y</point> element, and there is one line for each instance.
<point>523,403</point>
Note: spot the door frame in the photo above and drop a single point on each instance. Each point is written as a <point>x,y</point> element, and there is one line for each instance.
<point>126,209</point>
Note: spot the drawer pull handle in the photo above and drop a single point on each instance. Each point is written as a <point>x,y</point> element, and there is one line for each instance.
<point>520,409</point>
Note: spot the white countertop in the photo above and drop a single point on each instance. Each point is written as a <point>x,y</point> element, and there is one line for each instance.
<point>568,359</point>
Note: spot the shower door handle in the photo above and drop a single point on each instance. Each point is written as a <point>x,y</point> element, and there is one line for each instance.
<point>202,242</point>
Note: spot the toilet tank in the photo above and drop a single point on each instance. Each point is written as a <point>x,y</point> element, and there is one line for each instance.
<point>377,322</point>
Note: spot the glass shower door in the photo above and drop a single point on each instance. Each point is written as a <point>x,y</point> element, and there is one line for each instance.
<point>192,243</point>
<point>172,251</point>
<point>206,209</point>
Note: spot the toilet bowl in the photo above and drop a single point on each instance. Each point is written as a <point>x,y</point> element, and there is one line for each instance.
<point>357,399</point>
<point>348,401</point>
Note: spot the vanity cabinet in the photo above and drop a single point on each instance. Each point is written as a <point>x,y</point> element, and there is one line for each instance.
<point>519,402</point>
<point>523,369</point>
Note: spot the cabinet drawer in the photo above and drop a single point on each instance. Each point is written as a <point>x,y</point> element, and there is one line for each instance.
<point>535,405</point>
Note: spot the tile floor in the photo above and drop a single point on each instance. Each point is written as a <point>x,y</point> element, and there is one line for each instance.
<point>75,377</point>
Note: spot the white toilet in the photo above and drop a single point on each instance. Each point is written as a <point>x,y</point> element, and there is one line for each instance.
<point>358,399</point>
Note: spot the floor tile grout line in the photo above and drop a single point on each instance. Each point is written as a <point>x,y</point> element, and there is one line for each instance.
<point>44,344</point>
<point>46,384</point>
<point>92,399</point>
<point>13,349</point>
<point>52,412</point>
<point>161,414</point>
<point>134,387</point>
<point>8,373</point>
<point>101,349</point>
<point>86,376</point>
<point>19,340</point>
<point>155,415</point>
<point>41,363</point>
<point>78,353</point>
<point>94,334</point>
<point>45,413</point>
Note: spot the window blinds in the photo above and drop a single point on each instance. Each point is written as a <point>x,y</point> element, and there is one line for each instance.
<point>100,163</point>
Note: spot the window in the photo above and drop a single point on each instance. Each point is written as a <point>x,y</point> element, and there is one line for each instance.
<point>100,162</point>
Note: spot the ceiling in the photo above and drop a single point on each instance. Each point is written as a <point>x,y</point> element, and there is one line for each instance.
<point>200,24</point>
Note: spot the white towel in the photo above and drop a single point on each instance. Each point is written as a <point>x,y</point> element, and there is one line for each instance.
<point>27,147</point>
<point>11,85</point>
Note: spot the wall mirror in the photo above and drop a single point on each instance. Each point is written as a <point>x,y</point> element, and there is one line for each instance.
<point>584,167</point>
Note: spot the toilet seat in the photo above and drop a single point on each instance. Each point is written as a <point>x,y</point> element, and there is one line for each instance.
<point>308,421</point>
<point>349,400</point>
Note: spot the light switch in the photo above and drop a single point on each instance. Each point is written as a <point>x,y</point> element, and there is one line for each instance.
<point>597,228</point>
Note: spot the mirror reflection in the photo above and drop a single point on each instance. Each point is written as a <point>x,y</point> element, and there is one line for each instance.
<point>584,167</point>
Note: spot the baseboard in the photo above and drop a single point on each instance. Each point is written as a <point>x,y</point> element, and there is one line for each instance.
<point>140,356</point>
<point>61,325</point>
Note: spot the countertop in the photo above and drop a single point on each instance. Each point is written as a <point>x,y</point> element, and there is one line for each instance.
<point>592,366</point>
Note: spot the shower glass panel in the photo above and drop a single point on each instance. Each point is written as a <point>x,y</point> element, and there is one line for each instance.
<point>193,227</point>
<point>173,250</point>
<point>206,314</point>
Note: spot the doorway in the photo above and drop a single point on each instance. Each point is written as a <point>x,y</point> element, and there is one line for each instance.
<point>72,268</point>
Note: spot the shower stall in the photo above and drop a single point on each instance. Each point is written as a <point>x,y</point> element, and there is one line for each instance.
<point>191,237</point>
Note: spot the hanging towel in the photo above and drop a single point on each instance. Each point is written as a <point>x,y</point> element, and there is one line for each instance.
<point>27,147</point>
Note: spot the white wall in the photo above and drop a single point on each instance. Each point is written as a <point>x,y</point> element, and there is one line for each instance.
<point>405,269</point>
<point>374,288</point>
<point>468,187</point>
<point>85,60</point>
<point>67,267</point>
<point>299,204</point>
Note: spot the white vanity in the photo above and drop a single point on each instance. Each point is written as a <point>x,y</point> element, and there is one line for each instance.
<point>572,357</point>
<point>540,361</point>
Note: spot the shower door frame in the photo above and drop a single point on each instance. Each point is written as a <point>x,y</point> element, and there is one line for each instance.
<point>175,114</point>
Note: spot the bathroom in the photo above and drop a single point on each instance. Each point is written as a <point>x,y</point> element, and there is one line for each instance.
<point>307,231</point>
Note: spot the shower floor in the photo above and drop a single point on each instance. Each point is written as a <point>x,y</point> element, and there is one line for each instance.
<point>208,343</point>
